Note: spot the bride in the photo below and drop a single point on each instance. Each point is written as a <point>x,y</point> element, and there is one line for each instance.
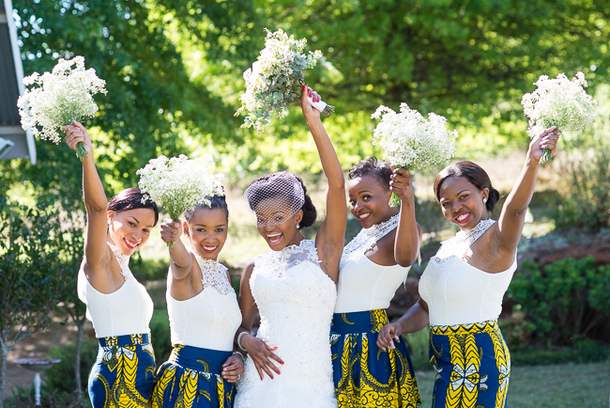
<point>292,286</point>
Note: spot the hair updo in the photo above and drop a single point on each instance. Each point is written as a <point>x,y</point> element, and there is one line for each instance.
<point>373,167</point>
<point>282,185</point>
<point>131,199</point>
<point>474,174</point>
<point>215,202</point>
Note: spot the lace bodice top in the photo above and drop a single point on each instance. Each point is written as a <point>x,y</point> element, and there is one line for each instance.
<point>364,285</point>
<point>295,299</point>
<point>457,292</point>
<point>127,310</point>
<point>210,318</point>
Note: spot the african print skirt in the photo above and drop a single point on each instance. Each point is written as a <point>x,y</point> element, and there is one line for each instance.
<point>472,363</point>
<point>192,378</point>
<point>364,374</point>
<point>123,374</point>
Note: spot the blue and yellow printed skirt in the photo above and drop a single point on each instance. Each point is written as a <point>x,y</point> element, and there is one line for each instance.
<point>192,378</point>
<point>123,374</point>
<point>472,363</point>
<point>365,375</point>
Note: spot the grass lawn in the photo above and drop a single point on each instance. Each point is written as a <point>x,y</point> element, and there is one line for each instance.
<point>553,386</point>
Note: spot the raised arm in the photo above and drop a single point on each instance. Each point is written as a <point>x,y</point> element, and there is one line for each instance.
<point>512,217</point>
<point>408,232</point>
<point>329,239</point>
<point>96,204</point>
<point>181,263</point>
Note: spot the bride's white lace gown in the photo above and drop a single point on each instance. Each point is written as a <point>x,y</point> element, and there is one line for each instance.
<point>296,300</point>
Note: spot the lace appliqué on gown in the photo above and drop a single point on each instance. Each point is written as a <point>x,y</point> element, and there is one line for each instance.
<point>367,238</point>
<point>214,275</point>
<point>459,245</point>
<point>123,261</point>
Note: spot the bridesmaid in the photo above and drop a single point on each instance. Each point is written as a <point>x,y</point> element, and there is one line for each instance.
<point>462,288</point>
<point>365,376</point>
<point>203,314</point>
<point>119,306</point>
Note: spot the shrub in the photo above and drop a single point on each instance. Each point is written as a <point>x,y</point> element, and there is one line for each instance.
<point>60,376</point>
<point>564,300</point>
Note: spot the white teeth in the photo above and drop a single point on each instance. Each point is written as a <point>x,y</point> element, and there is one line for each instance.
<point>274,235</point>
<point>209,248</point>
<point>362,216</point>
<point>461,217</point>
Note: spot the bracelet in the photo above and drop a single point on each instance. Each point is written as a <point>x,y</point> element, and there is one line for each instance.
<point>239,336</point>
<point>239,353</point>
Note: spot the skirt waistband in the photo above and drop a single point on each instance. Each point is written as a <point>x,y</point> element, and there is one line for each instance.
<point>199,359</point>
<point>359,322</point>
<point>126,340</point>
<point>468,328</point>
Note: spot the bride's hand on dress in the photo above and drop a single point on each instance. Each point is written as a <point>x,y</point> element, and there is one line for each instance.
<point>387,335</point>
<point>262,355</point>
<point>233,368</point>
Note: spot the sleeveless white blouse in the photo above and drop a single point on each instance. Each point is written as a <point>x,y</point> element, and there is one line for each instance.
<point>209,319</point>
<point>459,293</point>
<point>127,310</point>
<point>365,285</point>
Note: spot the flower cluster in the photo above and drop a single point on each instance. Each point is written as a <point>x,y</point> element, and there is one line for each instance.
<point>59,97</point>
<point>276,79</point>
<point>559,102</point>
<point>179,184</point>
<point>411,141</point>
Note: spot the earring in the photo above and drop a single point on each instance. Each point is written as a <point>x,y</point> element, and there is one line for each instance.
<point>299,226</point>
<point>485,200</point>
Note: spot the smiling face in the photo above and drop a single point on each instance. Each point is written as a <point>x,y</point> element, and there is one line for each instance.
<point>369,200</point>
<point>129,230</point>
<point>462,202</point>
<point>207,231</point>
<point>277,223</point>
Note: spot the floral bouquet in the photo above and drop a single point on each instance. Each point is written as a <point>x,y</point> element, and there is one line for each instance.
<point>561,103</point>
<point>61,96</point>
<point>276,80</point>
<point>178,184</point>
<point>411,141</point>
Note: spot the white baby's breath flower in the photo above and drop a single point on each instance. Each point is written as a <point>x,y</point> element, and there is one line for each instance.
<point>558,102</point>
<point>179,183</point>
<point>276,79</point>
<point>411,141</point>
<point>59,97</point>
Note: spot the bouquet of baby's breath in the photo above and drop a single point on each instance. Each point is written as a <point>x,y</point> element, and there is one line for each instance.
<point>276,80</point>
<point>411,141</point>
<point>59,97</point>
<point>179,184</point>
<point>561,103</point>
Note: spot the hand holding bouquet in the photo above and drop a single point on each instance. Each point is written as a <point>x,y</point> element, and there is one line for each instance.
<point>178,184</point>
<point>60,97</point>
<point>411,141</point>
<point>561,103</point>
<point>276,79</point>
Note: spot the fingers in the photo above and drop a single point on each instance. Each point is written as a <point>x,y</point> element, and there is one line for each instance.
<point>170,230</point>
<point>74,135</point>
<point>261,353</point>
<point>549,140</point>
<point>232,369</point>
<point>400,181</point>
<point>385,338</point>
<point>273,355</point>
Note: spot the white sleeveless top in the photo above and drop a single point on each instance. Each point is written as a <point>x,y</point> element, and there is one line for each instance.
<point>210,318</point>
<point>363,284</point>
<point>127,310</point>
<point>457,292</point>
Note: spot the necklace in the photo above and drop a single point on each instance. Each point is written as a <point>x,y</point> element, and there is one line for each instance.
<point>213,274</point>
<point>368,237</point>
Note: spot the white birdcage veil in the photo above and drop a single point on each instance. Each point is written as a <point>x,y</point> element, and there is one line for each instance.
<point>275,197</point>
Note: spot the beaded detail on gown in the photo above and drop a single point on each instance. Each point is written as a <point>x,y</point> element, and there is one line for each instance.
<point>295,299</point>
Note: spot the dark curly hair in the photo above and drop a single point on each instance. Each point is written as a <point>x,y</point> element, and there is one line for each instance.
<point>215,202</point>
<point>373,167</point>
<point>131,199</point>
<point>280,188</point>
<point>474,174</point>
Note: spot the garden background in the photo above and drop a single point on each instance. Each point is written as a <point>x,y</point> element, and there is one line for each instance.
<point>174,77</point>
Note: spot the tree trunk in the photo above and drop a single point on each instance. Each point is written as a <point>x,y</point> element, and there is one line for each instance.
<point>79,340</point>
<point>3,356</point>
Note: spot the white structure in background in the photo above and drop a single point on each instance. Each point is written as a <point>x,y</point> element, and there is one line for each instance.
<point>14,141</point>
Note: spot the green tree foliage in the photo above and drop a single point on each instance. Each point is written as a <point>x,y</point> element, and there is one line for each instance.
<point>30,244</point>
<point>564,300</point>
